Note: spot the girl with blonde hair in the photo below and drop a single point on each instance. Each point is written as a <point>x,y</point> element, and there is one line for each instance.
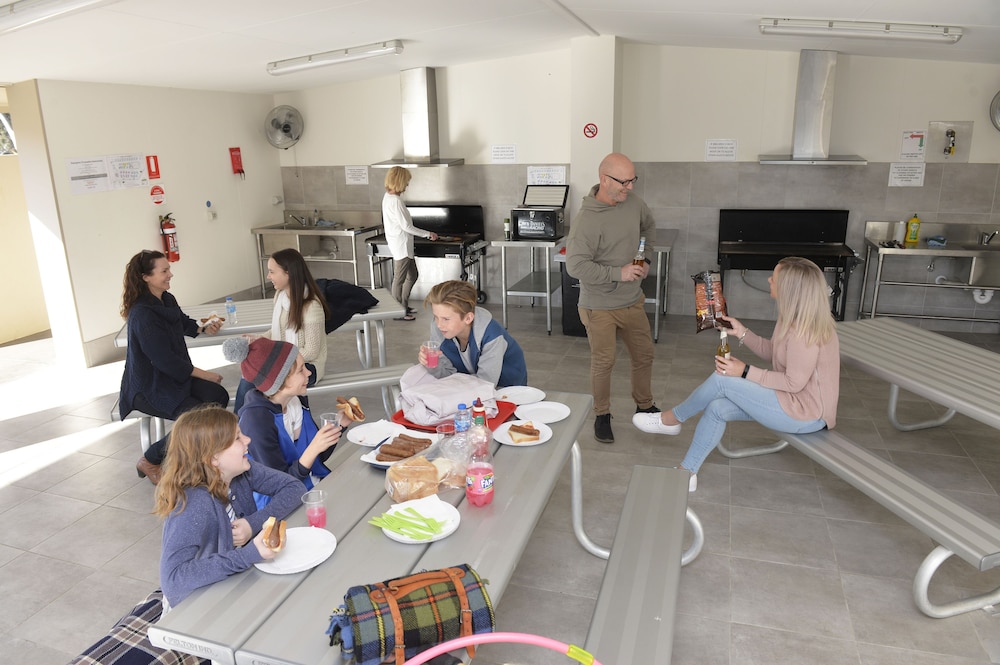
<point>798,394</point>
<point>206,495</point>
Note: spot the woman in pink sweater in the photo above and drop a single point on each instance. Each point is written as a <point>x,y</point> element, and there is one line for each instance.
<point>799,394</point>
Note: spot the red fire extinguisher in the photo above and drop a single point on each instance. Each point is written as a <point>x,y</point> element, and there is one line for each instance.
<point>169,232</point>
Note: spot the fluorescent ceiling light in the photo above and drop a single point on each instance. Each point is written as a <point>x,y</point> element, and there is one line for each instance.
<point>864,29</point>
<point>26,13</point>
<point>279,67</point>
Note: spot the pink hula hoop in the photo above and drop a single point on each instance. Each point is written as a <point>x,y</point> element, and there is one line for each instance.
<point>570,650</point>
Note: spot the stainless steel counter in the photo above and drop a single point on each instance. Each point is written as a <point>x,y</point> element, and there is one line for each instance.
<point>317,243</point>
<point>962,242</point>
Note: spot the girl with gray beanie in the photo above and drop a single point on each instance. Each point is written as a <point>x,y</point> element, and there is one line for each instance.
<point>276,416</point>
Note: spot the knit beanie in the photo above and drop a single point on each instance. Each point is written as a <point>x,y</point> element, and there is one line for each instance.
<point>263,362</point>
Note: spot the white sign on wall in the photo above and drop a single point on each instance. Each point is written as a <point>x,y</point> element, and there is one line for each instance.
<point>546,175</point>
<point>503,154</point>
<point>356,175</point>
<point>720,150</point>
<point>88,174</point>
<point>912,147</point>
<point>906,174</point>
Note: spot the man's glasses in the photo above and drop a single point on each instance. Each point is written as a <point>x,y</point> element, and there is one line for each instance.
<point>624,183</point>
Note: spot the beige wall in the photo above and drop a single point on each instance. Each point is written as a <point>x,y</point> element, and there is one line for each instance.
<point>675,98</point>
<point>94,234</point>
<point>22,297</point>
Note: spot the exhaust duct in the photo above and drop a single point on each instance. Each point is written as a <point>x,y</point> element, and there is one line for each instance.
<point>418,94</point>
<point>814,114</point>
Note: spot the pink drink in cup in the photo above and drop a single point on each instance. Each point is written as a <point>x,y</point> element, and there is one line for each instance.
<point>431,352</point>
<point>314,501</point>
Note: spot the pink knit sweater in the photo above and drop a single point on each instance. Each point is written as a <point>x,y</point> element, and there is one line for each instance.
<point>805,377</point>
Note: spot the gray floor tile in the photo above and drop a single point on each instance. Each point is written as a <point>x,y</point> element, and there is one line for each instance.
<point>39,518</point>
<point>775,490</point>
<point>753,645</point>
<point>778,537</point>
<point>31,582</point>
<point>790,598</point>
<point>883,613</point>
<point>98,536</point>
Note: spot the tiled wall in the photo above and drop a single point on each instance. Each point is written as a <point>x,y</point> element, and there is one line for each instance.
<point>688,196</point>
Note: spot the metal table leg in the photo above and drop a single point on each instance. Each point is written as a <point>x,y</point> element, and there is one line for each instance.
<point>503,282</point>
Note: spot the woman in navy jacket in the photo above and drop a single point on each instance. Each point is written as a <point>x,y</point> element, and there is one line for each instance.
<point>159,378</point>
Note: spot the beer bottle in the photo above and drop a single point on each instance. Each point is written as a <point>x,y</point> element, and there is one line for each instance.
<point>640,256</point>
<point>723,349</point>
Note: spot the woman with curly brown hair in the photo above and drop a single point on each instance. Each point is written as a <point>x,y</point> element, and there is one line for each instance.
<point>159,377</point>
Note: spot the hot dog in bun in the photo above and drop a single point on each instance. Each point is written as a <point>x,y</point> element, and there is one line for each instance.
<point>352,408</point>
<point>274,533</point>
<point>523,433</point>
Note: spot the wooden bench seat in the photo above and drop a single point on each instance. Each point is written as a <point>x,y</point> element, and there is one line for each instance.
<point>634,618</point>
<point>957,529</point>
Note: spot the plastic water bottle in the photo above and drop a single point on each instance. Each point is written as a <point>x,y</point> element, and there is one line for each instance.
<point>230,310</point>
<point>463,419</point>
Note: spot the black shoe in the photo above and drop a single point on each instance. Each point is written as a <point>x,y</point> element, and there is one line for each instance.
<point>602,429</point>
<point>410,310</point>
<point>649,409</point>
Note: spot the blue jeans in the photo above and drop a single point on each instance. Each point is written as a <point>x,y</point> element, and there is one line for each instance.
<point>728,398</point>
<point>245,387</point>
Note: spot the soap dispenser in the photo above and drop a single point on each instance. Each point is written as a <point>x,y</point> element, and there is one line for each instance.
<point>912,232</point>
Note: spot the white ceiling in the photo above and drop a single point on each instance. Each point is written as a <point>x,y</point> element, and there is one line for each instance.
<point>224,44</point>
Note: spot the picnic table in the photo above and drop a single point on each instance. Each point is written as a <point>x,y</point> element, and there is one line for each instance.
<point>282,618</point>
<point>254,316</point>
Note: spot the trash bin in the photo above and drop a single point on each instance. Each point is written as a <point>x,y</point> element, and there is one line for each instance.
<point>571,323</point>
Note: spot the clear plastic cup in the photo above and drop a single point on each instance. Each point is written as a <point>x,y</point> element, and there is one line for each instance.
<point>315,503</point>
<point>431,351</point>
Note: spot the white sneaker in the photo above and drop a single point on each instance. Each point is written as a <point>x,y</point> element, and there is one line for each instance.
<point>693,483</point>
<point>651,423</point>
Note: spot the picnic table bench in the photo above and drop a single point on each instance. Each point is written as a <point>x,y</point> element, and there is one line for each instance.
<point>634,617</point>
<point>960,377</point>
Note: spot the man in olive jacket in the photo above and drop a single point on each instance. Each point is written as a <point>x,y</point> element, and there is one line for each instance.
<point>603,242</point>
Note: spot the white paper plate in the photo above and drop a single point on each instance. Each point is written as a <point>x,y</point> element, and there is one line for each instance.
<point>369,457</point>
<point>371,434</point>
<point>429,506</point>
<point>542,412</point>
<point>519,394</point>
<point>503,436</point>
<point>306,547</point>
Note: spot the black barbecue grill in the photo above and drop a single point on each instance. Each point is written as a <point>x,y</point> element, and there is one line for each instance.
<point>758,239</point>
<point>460,230</point>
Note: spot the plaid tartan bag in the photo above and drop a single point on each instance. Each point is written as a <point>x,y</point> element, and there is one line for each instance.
<point>427,608</point>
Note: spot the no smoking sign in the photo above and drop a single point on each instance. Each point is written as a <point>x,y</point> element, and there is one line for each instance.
<point>590,130</point>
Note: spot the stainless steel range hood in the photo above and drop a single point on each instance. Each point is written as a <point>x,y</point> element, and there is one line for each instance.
<point>814,115</point>
<point>418,88</point>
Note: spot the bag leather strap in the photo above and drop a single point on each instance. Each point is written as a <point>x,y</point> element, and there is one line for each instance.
<point>400,588</point>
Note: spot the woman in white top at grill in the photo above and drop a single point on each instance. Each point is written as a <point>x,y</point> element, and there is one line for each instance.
<point>399,232</point>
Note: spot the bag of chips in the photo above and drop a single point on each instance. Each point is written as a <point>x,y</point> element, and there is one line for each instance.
<point>709,302</point>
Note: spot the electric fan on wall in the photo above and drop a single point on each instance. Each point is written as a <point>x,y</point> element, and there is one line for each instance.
<point>283,127</point>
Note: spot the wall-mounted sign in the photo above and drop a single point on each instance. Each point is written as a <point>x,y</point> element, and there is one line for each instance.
<point>156,195</point>
<point>590,130</point>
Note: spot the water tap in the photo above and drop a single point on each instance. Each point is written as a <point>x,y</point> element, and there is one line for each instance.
<point>985,238</point>
<point>299,220</point>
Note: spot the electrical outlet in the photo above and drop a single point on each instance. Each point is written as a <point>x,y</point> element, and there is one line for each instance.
<point>948,141</point>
